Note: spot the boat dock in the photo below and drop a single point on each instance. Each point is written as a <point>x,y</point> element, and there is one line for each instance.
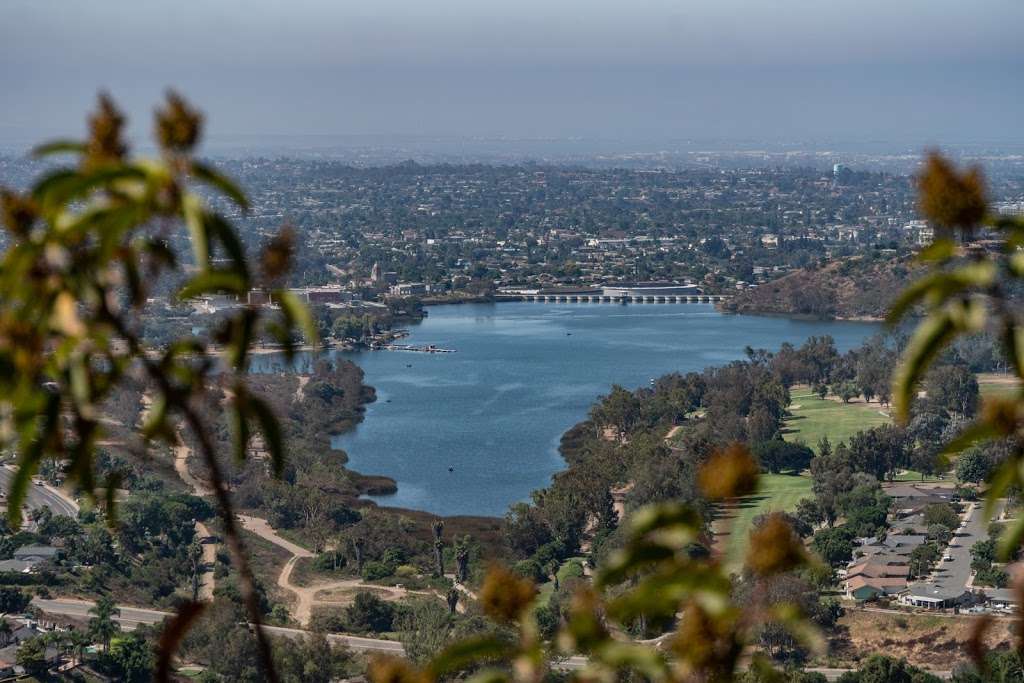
<point>430,348</point>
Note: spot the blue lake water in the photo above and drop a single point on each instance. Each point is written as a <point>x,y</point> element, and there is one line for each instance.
<point>523,374</point>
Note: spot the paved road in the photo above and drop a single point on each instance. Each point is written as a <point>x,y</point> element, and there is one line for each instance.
<point>949,579</point>
<point>42,495</point>
<point>130,616</point>
<point>133,616</point>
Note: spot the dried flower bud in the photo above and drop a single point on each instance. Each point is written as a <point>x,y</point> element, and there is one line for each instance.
<point>729,473</point>
<point>18,212</point>
<point>1000,414</point>
<point>975,645</point>
<point>774,547</point>
<point>704,642</point>
<point>275,260</point>
<point>585,629</point>
<point>105,144</point>
<point>387,669</point>
<point>178,126</point>
<point>505,595</point>
<point>950,199</point>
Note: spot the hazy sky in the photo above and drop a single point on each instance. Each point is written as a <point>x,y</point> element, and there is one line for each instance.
<point>900,70</point>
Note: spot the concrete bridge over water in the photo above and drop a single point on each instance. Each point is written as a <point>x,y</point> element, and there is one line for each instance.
<point>617,299</point>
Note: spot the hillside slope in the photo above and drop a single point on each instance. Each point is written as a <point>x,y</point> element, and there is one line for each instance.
<point>855,288</point>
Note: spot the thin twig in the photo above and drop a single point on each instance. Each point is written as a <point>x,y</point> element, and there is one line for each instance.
<point>227,513</point>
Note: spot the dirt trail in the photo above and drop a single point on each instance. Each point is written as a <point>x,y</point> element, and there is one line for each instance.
<point>300,393</point>
<point>207,581</point>
<point>262,528</point>
<point>181,455</point>
<point>306,597</point>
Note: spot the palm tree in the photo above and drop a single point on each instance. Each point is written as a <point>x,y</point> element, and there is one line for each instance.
<point>462,562</point>
<point>438,528</point>
<point>102,626</point>
<point>79,642</point>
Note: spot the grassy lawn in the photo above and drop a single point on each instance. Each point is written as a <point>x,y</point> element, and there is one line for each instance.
<point>778,493</point>
<point>812,418</point>
<point>991,385</point>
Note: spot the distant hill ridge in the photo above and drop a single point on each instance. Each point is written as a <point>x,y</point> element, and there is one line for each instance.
<point>857,288</point>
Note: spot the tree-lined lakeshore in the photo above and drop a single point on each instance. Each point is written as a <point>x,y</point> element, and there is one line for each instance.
<point>692,535</point>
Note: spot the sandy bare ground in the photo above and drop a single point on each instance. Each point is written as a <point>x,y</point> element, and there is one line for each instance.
<point>207,581</point>
<point>300,392</point>
<point>332,593</point>
<point>181,455</point>
<point>262,528</point>
<point>998,378</point>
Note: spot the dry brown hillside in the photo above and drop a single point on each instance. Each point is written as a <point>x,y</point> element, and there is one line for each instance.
<point>853,288</point>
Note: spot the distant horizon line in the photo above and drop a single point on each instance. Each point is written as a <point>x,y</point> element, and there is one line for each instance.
<point>687,144</point>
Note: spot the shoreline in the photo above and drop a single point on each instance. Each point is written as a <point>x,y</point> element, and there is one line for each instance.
<point>373,498</point>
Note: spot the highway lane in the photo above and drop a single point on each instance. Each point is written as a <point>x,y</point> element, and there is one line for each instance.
<point>131,617</point>
<point>40,495</point>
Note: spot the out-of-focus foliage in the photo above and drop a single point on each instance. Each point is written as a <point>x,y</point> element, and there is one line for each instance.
<point>85,246</point>
<point>966,290</point>
<point>656,577</point>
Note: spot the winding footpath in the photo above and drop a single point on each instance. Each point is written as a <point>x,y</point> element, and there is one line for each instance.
<point>207,582</point>
<point>307,596</point>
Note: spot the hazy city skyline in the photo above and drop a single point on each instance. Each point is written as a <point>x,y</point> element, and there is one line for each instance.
<point>914,71</point>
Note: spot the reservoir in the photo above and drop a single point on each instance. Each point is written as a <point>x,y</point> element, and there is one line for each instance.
<point>471,432</point>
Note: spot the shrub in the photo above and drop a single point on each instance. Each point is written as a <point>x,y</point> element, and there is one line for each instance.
<point>530,569</point>
<point>375,571</point>
<point>369,613</point>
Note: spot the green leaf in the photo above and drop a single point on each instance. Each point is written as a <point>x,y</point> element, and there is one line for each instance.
<point>242,328</point>
<point>978,431</point>
<point>66,185</point>
<point>940,250</point>
<point>1009,541</point>
<point>1006,476</point>
<point>59,147</point>
<point>489,676</point>
<point>213,282</point>
<point>112,484</point>
<point>469,651</point>
<point>1013,346</point>
<point>171,635</point>
<point>32,448</point>
<point>156,418</point>
<point>214,178</point>
<point>628,560</point>
<point>939,286</point>
<point>930,337</point>
<point>195,221</point>
<point>297,315</point>
<point>641,658</point>
<point>239,423</point>
<point>663,516</point>
<point>226,236</point>
<point>271,430</point>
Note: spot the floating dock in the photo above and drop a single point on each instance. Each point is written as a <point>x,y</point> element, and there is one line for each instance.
<point>410,347</point>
